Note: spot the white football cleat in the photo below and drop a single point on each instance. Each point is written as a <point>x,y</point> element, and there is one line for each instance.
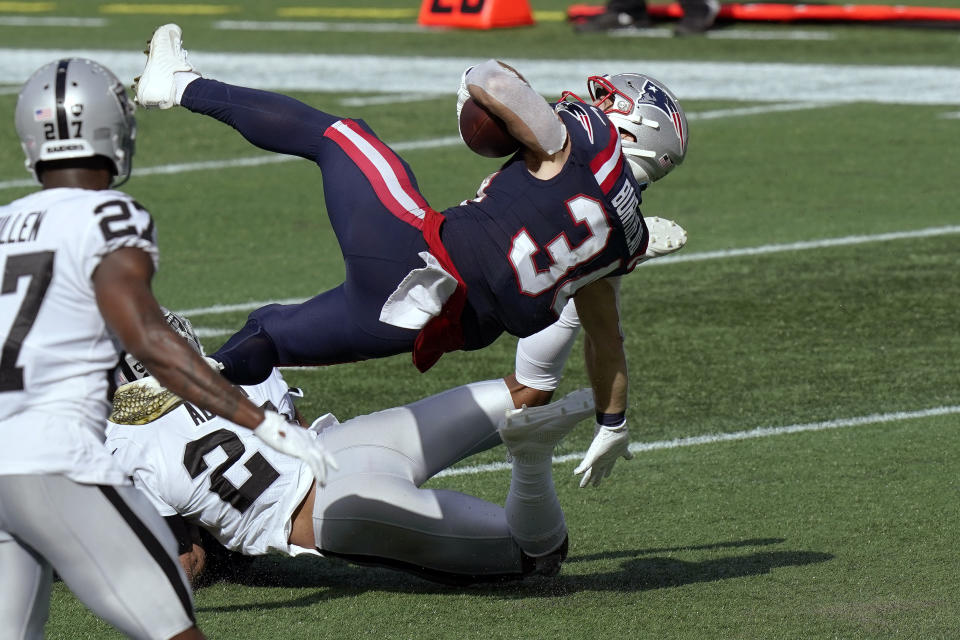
<point>156,87</point>
<point>666,237</point>
<point>537,430</point>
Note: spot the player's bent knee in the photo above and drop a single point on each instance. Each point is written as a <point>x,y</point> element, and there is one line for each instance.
<point>524,395</point>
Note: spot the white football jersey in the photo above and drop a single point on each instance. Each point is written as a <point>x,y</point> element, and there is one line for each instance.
<point>56,348</point>
<point>216,474</point>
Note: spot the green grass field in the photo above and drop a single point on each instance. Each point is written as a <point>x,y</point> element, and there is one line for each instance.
<point>840,336</point>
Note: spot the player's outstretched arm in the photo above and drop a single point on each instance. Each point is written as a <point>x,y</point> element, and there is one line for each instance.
<point>122,286</point>
<point>529,118</point>
<point>606,363</point>
<point>605,358</point>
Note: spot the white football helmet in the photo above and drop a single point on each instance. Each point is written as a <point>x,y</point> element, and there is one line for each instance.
<point>76,108</point>
<point>130,369</point>
<point>644,108</point>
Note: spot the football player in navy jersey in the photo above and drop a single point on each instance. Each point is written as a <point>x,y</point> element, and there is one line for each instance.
<point>559,221</point>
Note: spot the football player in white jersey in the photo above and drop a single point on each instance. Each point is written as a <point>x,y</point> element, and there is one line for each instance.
<point>76,262</point>
<point>372,510</point>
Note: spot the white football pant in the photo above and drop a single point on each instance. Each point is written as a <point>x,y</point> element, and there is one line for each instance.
<point>108,544</point>
<point>372,507</point>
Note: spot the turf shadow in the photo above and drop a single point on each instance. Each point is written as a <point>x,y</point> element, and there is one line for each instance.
<point>754,542</point>
<point>333,579</point>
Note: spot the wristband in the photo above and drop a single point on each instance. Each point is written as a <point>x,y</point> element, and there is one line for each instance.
<point>611,419</point>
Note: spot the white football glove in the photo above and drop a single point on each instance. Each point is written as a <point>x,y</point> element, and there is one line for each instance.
<point>462,93</point>
<point>296,441</point>
<point>609,443</point>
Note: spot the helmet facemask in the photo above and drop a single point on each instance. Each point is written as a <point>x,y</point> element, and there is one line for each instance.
<point>650,115</point>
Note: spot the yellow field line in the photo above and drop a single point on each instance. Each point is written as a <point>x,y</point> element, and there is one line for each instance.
<point>344,12</point>
<point>169,9</point>
<point>27,7</point>
<point>549,16</point>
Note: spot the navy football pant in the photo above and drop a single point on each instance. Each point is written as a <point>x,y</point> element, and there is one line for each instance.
<point>376,211</point>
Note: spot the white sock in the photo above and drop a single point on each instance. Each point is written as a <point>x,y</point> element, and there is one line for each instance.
<point>182,79</point>
<point>533,512</point>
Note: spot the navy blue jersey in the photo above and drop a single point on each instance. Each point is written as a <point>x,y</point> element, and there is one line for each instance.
<point>525,245</point>
<point>522,247</point>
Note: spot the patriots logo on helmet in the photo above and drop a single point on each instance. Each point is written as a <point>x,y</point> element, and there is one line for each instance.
<point>578,111</point>
<point>652,94</point>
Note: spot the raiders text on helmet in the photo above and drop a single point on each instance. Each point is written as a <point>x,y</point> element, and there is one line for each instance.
<point>76,108</point>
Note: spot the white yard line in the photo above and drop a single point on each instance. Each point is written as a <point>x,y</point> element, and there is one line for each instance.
<point>760,109</point>
<point>251,161</point>
<point>411,145</point>
<point>750,434</point>
<point>807,244</point>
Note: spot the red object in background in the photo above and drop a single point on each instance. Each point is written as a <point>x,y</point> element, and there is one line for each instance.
<point>772,12</point>
<point>475,14</point>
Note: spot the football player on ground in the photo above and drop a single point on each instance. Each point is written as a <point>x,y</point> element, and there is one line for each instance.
<point>77,259</point>
<point>195,466</point>
<point>559,221</point>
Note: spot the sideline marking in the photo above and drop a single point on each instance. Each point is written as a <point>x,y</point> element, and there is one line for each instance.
<point>168,9</point>
<point>348,27</point>
<point>343,12</point>
<point>750,434</point>
<point>690,79</point>
<point>692,257</point>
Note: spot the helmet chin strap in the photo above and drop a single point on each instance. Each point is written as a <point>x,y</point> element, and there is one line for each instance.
<point>115,184</point>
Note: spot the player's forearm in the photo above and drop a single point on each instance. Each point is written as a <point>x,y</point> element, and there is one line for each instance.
<point>605,358</point>
<point>529,118</point>
<point>606,365</point>
<point>178,368</point>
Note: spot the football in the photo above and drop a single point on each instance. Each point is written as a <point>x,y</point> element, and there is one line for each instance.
<point>485,133</point>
